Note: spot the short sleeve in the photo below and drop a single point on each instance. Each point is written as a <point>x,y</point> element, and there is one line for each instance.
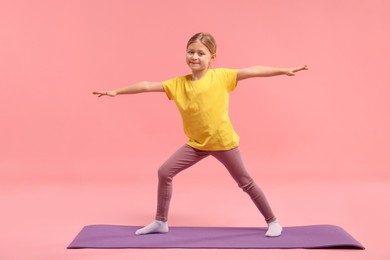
<point>230,78</point>
<point>170,87</point>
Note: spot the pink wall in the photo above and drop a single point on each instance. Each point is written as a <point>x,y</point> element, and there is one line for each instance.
<point>331,121</point>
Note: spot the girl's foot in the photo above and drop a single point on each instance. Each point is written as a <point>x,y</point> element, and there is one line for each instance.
<point>155,227</point>
<point>274,229</point>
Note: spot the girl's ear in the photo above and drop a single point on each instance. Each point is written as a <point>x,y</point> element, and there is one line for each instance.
<point>213,57</point>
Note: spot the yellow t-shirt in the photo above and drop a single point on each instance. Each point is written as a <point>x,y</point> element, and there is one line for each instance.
<point>204,108</point>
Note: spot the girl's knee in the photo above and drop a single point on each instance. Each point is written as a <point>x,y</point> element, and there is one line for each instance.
<point>247,185</point>
<point>164,173</point>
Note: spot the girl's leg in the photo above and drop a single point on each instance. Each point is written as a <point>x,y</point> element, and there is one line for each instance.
<point>232,160</point>
<point>183,158</point>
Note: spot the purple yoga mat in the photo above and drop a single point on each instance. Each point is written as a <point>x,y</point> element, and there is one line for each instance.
<point>114,236</point>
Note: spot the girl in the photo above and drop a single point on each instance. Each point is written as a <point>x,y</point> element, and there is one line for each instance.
<point>202,98</point>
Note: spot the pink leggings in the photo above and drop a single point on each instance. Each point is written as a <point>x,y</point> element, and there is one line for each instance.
<point>187,156</point>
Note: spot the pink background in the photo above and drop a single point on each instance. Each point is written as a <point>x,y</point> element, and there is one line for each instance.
<point>319,138</point>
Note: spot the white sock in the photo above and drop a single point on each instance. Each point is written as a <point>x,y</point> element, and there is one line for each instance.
<point>274,229</point>
<point>155,227</point>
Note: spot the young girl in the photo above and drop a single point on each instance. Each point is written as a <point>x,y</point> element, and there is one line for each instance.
<point>202,98</point>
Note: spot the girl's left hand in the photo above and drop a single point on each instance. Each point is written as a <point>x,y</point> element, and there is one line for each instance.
<point>109,93</point>
<point>291,71</point>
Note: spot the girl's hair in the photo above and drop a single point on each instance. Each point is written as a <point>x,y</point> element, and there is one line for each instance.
<point>205,38</point>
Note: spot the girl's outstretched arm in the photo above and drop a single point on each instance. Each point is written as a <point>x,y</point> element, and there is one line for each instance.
<point>261,71</point>
<point>140,87</point>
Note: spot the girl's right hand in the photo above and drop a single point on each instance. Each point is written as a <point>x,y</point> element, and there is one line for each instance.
<point>110,93</point>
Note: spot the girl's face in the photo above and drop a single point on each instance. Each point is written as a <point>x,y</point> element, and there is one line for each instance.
<point>198,57</point>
